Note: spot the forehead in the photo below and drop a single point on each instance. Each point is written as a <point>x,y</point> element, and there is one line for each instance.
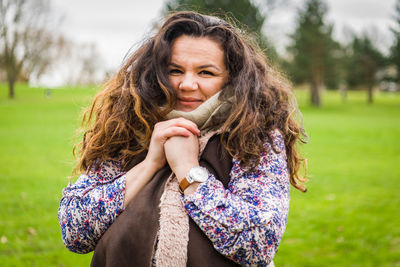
<point>196,49</point>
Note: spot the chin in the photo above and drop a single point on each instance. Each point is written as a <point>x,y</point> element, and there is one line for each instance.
<point>186,108</point>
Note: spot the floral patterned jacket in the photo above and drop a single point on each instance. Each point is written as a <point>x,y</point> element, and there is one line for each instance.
<point>245,222</point>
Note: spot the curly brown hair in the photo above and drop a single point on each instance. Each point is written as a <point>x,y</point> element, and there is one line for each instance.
<point>122,116</point>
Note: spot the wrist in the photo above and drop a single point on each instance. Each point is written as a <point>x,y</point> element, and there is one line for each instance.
<point>191,180</point>
<point>183,170</point>
<point>152,166</point>
<point>191,188</point>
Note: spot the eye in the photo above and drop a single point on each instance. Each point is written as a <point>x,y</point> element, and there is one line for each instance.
<point>206,72</point>
<point>175,71</point>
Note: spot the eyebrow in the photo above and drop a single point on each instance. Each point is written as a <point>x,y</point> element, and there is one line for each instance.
<point>200,67</point>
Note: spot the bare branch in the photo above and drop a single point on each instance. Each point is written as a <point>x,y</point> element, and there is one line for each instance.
<point>25,38</point>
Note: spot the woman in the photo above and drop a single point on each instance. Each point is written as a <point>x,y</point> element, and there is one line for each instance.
<point>194,139</point>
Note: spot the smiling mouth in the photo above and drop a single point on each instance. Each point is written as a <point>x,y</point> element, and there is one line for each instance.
<point>189,101</point>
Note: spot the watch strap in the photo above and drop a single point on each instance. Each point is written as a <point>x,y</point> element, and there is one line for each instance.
<point>183,185</point>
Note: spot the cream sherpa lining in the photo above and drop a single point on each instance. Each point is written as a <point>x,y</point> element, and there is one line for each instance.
<point>173,236</point>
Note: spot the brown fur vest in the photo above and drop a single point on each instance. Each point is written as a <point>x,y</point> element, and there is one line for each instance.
<point>131,239</point>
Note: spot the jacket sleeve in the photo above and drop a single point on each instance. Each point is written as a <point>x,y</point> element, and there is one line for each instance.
<point>246,221</point>
<point>90,205</point>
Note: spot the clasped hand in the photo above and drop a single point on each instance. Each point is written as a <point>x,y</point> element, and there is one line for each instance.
<point>174,141</point>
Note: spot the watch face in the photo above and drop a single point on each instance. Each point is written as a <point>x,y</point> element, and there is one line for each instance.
<point>199,174</point>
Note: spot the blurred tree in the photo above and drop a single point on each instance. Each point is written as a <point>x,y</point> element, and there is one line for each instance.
<point>365,60</point>
<point>314,52</point>
<point>24,40</point>
<point>88,62</point>
<point>395,48</point>
<point>244,11</point>
<point>43,53</point>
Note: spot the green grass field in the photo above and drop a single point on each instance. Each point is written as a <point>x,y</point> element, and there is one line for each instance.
<point>350,215</point>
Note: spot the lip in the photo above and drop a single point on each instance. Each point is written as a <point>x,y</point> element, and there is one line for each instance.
<point>188,101</point>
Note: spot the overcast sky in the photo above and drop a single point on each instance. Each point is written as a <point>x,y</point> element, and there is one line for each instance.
<point>115,26</point>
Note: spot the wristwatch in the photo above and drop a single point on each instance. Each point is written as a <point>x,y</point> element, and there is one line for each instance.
<point>196,174</point>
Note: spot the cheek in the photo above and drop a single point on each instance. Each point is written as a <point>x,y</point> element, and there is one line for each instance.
<point>174,82</point>
<point>212,88</point>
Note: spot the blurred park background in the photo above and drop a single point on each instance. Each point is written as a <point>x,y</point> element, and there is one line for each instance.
<point>344,63</point>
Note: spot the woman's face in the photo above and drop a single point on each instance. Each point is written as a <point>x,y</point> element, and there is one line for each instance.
<point>197,70</point>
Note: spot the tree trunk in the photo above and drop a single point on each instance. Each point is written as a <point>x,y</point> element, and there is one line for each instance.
<point>316,82</point>
<point>11,91</point>
<point>343,92</point>
<point>370,94</point>
<point>315,93</point>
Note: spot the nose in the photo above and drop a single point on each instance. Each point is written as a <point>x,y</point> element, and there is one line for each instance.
<point>188,83</point>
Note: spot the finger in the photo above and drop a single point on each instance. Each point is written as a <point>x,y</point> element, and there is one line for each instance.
<point>182,122</point>
<point>176,131</point>
<point>178,122</point>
